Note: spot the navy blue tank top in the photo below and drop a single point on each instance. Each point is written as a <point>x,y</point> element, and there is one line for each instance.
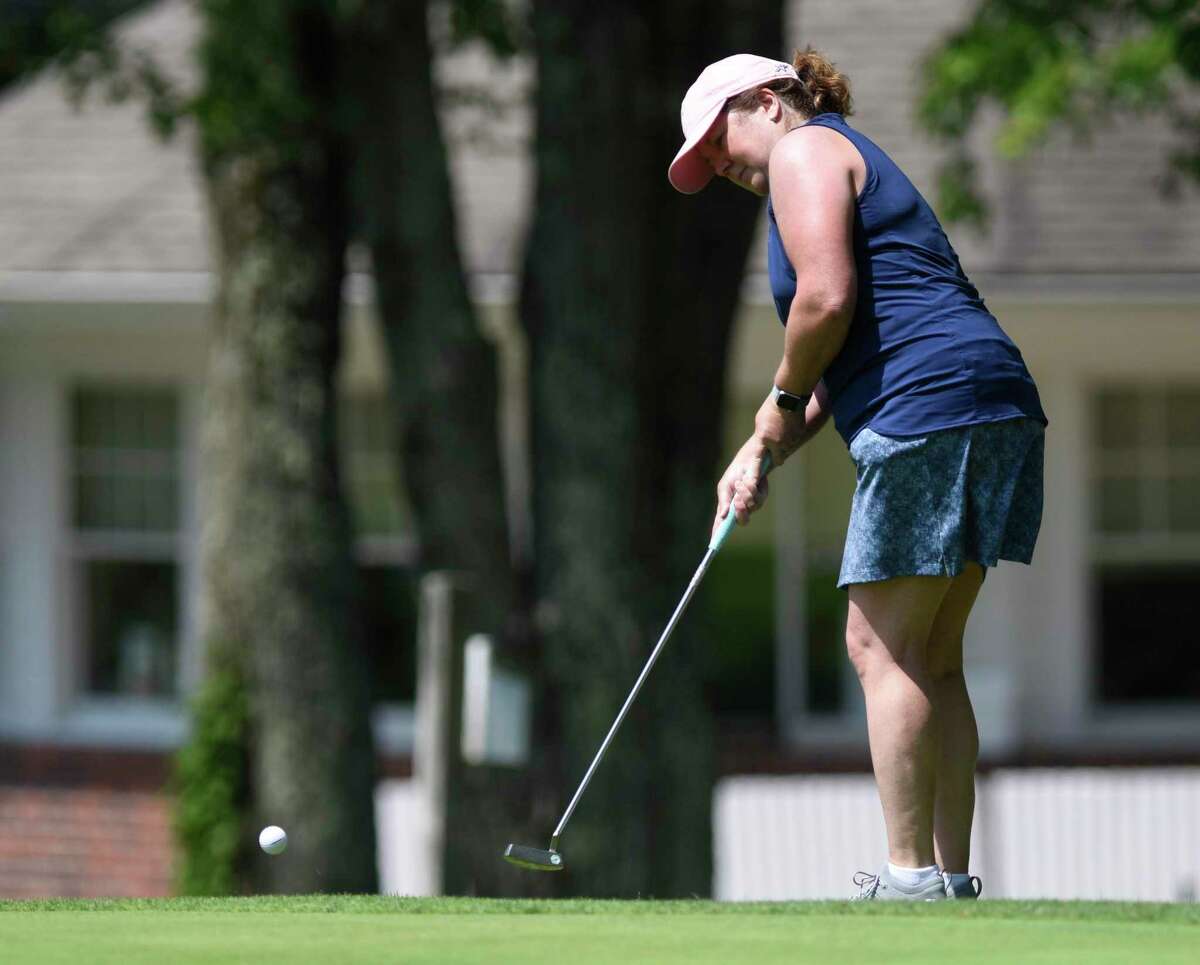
<point>923,352</point>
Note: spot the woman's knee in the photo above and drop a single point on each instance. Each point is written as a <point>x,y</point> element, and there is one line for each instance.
<point>869,653</point>
<point>860,650</point>
<point>889,623</point>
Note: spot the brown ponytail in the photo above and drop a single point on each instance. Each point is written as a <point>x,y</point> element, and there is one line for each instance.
<point>828,89</point>
<point>821,89</point>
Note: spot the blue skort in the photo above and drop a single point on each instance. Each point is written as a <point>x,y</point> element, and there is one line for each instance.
<point>928,505</point>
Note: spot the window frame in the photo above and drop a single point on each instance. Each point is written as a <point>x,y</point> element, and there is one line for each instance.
<point>86,545</point>
<point>1137,720</point>
<point>113,719</point>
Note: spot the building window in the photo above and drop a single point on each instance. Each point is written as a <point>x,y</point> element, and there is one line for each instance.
<point>385,545</point>
<point>125,516</point>
<point>1146,537</point>
<point>125,486</point>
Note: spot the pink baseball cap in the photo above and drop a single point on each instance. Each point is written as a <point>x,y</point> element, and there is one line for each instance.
<point>703,103</point>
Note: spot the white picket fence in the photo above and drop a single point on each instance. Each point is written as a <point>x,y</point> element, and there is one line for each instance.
<point>1111,833</point>
<point>1080,833</point>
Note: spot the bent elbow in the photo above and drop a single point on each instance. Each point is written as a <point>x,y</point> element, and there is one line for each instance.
<point>825,306</point>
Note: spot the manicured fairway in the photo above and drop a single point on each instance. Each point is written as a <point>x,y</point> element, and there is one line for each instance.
<point>577,932</point>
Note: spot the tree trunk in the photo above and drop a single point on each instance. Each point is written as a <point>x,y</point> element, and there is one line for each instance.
<point>444,389</point>
<point>628,298</point>
<point>278,548</point>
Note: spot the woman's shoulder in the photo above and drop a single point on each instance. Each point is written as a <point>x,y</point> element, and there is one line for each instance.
<point>812,142</point>
<point>813,147</point>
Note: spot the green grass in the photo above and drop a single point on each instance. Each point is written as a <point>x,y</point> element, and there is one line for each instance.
<point>354,928</point>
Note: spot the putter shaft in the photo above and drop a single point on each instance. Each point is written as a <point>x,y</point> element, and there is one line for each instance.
<point>691,589</point>
<point>719,537</point>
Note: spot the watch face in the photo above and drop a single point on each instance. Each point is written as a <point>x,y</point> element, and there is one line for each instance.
<point>786,401</point>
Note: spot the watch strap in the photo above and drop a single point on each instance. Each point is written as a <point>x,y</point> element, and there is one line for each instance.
<point>788,400</point>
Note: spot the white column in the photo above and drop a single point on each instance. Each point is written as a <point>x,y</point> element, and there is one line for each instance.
<point>1056,670</point>
<point>32,506</point>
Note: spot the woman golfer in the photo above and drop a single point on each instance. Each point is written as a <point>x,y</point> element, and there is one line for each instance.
<point>884,332</point>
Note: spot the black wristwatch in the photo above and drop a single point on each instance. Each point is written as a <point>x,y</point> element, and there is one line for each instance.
<point>788,401</point>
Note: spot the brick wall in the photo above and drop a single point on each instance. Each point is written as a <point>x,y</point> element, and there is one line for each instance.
<point>80,842</point>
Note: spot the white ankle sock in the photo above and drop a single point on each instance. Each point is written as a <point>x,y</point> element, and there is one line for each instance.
<point>912,876</point>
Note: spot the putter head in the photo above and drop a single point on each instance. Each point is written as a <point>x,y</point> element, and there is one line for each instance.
<point>533,859</point>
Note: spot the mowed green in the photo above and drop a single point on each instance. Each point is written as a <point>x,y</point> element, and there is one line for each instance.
<point>355,928</point>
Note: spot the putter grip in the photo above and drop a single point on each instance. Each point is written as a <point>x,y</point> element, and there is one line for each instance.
<point>730,516</point>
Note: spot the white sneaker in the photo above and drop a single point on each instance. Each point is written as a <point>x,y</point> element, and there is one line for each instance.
<point>883,887</point>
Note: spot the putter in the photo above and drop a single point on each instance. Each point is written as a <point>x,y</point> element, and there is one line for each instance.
<point>550,859</point>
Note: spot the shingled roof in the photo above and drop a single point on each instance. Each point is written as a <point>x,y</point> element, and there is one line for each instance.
<point>94,191</point>
<point>1072,207</point>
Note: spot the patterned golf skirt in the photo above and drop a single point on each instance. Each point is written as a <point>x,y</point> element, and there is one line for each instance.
<point>928,505</point>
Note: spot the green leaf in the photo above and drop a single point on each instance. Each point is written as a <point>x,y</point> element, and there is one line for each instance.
<point>1046,64</point>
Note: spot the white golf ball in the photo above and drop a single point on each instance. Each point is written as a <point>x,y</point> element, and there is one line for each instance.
<point>272,839</point>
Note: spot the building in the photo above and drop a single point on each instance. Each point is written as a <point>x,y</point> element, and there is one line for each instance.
<point>1088,656</point>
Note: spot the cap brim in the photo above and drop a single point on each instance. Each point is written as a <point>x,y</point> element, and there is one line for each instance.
<point>689,172</point>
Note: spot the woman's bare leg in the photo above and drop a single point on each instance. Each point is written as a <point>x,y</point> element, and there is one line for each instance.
<point>954,808</point>
<point>887,632</point>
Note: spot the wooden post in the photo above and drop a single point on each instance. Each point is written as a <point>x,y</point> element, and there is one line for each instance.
<point>438,710</point>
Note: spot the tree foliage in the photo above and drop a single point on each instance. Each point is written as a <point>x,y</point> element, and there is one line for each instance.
<point>34,33</point>
<point>491,21</point>
<point>76,37</point>
<point>212,790</point>
<point>1045,62</point>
